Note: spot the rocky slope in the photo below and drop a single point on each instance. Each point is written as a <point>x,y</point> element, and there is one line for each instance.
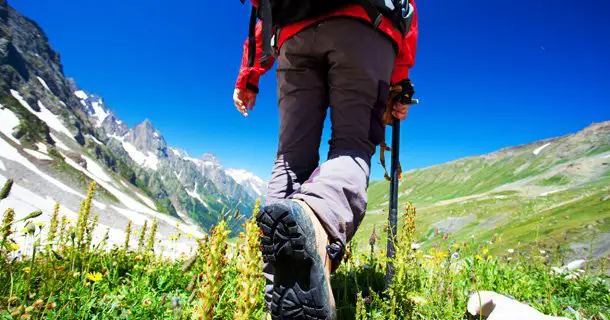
<point>56,137</point>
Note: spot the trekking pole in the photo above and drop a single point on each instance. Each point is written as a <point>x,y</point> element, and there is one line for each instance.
<point>393,213</point>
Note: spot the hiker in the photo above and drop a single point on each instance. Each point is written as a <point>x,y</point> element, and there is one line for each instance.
<point>346,55</point>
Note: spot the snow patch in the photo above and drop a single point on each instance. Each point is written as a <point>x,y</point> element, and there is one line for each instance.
<point>42,147</point>
<point>125,199</point>
<point>60,144</point>
<point>25,201</point>
<point>96,169</point>
<point>193,160</point>
<point>38,155</point>
<point>45,115</point>
<point>147,201</point>
<point>99,112</point>
<point>9,122</point>
<point>148,160</point>
<point>95,140</point>
<point>2,167</point>
<point>544,194</point>
<point>193,194</point>
<point>81,94</point>
<point>539,149</point>
<point>178,175</point>
<point>44,84</point>
<point>10,153</point>
<point>176,152</point>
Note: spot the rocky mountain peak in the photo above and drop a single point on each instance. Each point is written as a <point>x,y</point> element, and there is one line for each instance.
<point>145,137</point>
<point>210,160</point>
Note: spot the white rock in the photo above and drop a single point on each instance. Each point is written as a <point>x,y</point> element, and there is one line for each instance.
<point>496,306</point>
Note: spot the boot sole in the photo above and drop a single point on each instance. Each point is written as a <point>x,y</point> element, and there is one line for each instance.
<point>289,244</point>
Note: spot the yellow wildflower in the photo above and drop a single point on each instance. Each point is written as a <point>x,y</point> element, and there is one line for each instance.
<point>479,257</point>
<point>485,251</point>
<point>190,235</point>
<point>94,276</point>
<point>418,300</point>
<point>440,255</point>
<point>39,223</point>
<point>27,270</point>
<point>14,247</point>
<point>173,237</point>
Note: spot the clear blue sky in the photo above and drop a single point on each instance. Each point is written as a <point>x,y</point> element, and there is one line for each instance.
<point>490,74</point>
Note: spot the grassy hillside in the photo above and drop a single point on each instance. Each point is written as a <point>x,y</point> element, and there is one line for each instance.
<point>551,193</point>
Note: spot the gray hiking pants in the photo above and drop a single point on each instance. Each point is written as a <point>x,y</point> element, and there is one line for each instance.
<point>346,64</point>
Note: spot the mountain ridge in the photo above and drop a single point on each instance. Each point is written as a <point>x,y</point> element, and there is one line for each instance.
<point>72,130</point>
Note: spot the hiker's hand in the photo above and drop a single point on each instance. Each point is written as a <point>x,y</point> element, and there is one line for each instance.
<point>401,111</point>
<point>244,100</point>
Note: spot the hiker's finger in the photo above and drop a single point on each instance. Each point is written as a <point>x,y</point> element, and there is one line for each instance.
<point>251,101</point>
<point>401,107</point>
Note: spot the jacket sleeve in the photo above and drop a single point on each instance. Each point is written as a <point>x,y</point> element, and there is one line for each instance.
<point>406,51</point>
<point>249,76</point>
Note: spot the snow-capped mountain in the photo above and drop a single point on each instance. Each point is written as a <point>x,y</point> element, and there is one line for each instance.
<point>56,137</point>
<point>254,184</point>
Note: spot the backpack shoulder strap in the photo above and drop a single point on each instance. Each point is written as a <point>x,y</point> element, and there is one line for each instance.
<point>372,11</point>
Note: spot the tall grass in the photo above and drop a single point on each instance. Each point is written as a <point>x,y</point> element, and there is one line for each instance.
<point>65,274</point>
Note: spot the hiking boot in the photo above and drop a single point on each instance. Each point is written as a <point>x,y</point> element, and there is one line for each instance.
<point>294,242</point>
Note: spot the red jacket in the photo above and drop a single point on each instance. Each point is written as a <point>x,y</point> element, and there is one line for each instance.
<point>405,57</point>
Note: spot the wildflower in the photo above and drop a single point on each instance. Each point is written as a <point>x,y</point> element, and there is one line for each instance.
<point>127,235</point>
<point>173,237</point>
<point>29,309</point>
<point>94,277</point>
<point>511,251</point>
<point>190,235</point>
<point>12,300</point>
<point>38,304</point>
<point>543,252</point>
<point>146,303</point>
<point>441,255</point>
<point>455,245</point>
<point>39,223</point>
<point>479,257</point>
<point>415,246</point>
<point>142,236</point>
<point>485,251</point>
<point>151,238</point>
<point>418,300</point>
<point>54,223</point>
<point>14,247</point>
<point>50,306</point>
<point>455,255</point>
<point>27,270</point>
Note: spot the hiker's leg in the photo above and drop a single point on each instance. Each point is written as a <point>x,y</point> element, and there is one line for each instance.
<point>361,61</point>
<point>303,103</point>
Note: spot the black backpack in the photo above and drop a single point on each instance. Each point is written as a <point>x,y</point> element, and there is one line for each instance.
<point>278,13</point>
